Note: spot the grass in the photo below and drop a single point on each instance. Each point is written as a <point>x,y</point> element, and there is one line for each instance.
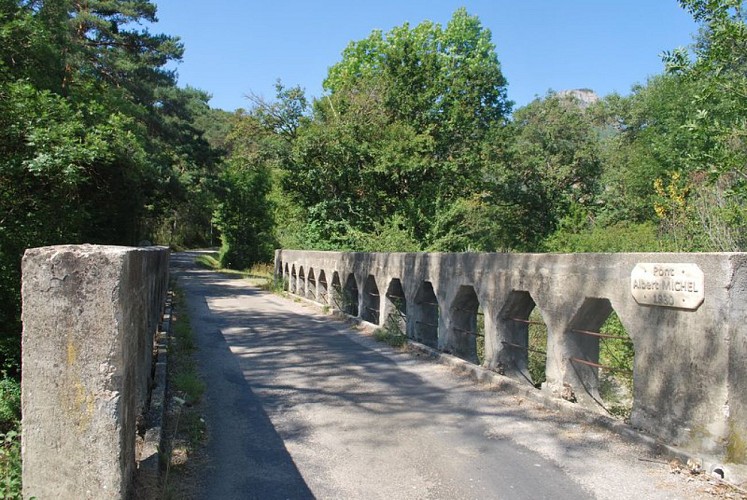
<point>208,261</point>
<point>184,428</point>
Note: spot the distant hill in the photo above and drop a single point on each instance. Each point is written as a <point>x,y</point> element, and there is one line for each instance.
<point>585,97</point>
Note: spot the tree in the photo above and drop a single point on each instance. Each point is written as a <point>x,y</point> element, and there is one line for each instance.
<point>716,160</point>
<point>93,133</point>
<point>244,214</point>
<point>398,136</point>
<point>545,162</point>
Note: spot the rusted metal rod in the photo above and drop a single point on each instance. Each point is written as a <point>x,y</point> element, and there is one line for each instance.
<point>603,367</point>
<point>427,324</point>
<point>399,313</point>
<point>473,311</point>
<point>602,335</point>
<point>402,316</point>
<point>429,303</point>
<point>527,321</point>
<point>468,332</point>
<point>518,346</point>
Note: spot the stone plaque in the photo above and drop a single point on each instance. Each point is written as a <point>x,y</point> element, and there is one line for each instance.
<point>668,285</point>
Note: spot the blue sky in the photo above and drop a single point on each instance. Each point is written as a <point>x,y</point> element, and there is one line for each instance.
<point>235,47</point>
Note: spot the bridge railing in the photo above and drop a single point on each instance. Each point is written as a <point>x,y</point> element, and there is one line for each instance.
<point>90,314</point>
<point>685,316</point>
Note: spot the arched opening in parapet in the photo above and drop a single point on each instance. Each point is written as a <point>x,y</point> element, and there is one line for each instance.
<point>293,280</point>
<point>278,275</point>
<point>301,287</point>
<point>350,296</point>
<point>371,301</point>
<point>602,356</point>
<point>523,339</point>
<point>395,308</point>
<point>467,336</point>
<point>425,316</point>
<point>322,289</point>
<point>286,278</point>
<point>335,298</point>
<point>311,285</point>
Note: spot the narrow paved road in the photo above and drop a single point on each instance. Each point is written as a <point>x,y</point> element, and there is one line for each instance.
<point>300,407</point>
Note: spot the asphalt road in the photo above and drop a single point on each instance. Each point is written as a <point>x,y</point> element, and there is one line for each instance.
<point>299,406</point>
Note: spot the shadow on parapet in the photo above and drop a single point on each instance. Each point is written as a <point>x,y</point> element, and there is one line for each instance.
<point>425,316</point>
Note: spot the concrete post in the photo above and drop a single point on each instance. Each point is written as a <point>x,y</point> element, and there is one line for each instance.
<point>89,316</point>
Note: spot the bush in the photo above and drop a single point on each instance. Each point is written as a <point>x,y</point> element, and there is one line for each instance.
<point>620,237</point>
<point>10,404</point>
<point>10,465</point>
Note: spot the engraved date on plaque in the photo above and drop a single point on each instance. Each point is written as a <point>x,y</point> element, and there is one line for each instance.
<point>668,285</point>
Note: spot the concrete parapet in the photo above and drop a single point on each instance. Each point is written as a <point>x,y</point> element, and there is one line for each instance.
<point>90,314</point>
<point>686,315</point>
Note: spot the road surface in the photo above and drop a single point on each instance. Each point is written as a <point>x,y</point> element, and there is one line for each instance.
<point>300,406</point>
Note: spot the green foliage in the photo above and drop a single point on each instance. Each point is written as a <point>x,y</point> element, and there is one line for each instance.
<point>10,465</point>
<point>190,384</point>
<point>245,212</point>
<point>97,144</point>
<point>392,235</point>
<point>391,333</point>
<point>413,149</point>
<point>551,162</point>
<point>446,77</point>
<point>207,261</point>
<point>184,374</point>
<point>616,385</point>
<point>244,218</point>
<point>617,352</point>
<point>397,141</point>
<point>10,404</point>
<point>716,157</point>
<point>480,336</point>
<point>537,348</point>
<point>579,232</point>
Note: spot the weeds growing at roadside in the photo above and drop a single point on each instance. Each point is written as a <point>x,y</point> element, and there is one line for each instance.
<point>207,261</point>
<point>391,333</point>
<point>185,428</point>
<point>10,465</point>
<point>10,438</point>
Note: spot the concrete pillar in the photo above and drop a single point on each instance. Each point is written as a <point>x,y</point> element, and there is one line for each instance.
<point>89,316</point>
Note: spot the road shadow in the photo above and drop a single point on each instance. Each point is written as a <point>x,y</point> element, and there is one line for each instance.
<point>245,457</point>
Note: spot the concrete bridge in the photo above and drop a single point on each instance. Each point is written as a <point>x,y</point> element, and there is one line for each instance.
<point>686,315</point>
<point>299,406</point>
